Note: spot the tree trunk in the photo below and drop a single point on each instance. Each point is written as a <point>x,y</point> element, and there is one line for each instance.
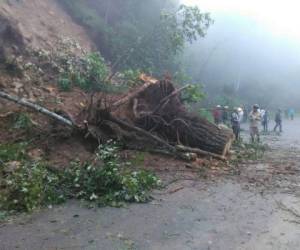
<point>37,108</point>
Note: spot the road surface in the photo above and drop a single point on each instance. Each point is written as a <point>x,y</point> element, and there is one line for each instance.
<point>257,209</point>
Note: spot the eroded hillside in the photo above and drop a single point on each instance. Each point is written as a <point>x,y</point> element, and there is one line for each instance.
<point>42,23</point>
<point>37,42</point>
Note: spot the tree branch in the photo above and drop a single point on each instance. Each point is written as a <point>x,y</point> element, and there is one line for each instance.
<point>35,107</point>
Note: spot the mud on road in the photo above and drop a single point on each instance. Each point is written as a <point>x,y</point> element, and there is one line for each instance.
<point>257,209</point>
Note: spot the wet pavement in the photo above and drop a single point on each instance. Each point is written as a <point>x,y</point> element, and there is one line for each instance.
<point>257,209</point>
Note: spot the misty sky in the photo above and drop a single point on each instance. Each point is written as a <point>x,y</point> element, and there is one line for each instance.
<point>250,42</point>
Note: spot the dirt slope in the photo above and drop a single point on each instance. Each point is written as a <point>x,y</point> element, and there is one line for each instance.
<point>41,23</point>
<point>32,34</point>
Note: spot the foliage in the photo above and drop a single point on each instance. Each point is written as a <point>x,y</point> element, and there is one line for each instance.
<point>32,185</point>
<point>109,183</point>
<point>12,152</point>
<point>90,74</point>
<point>22,121</point>
<point>186,24</point>
<point>131,77</point>
<point>64,83</point>
<point>193,94</point>
<point>29,187</point>
<point>145,35</point>
<point>206,114</point>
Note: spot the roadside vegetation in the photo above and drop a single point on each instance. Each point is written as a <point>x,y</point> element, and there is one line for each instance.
<point>27,185</point>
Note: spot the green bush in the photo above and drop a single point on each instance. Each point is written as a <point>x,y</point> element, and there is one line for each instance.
<point>22,121</point>
<point>131,77</point>
<point>194,93</point>
<point>29,187</point>
<point>109,183</point>
<point>12,152</point>
<point>206,114</point>
<point>64,83</point>
<point>89,74</point>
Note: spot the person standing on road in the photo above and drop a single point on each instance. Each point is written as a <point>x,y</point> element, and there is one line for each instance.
<point>278,121</point>
<point>235,123</point>
<point>217,114</point>
<point>241,114</point>
<point>265,121</point>
<point>291,114</point>
<point>246,113</point>
<point>254,118</point>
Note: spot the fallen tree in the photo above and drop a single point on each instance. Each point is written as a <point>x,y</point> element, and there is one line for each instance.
<point>159,110</point>
<point>38,108</point>
<point>151,116</point>
<point>155,110</point>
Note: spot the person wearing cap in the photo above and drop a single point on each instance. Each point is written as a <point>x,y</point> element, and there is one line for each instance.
<point>254,117</point>
<point>265,120</point>
<point>235,123</point>
<point>278,120</point>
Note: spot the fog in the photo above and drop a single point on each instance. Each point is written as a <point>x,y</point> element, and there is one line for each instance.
<point>253,49</point>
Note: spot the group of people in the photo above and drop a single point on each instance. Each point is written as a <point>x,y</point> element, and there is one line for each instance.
<point>223,115</point>
<point>257,116</point>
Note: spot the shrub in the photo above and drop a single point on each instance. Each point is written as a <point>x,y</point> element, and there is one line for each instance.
<point>204,113</point>
<point>194,93</point>
<point>29,187</point>
<point>64,83</point>
<point>131,77</point>
<point>12,152</point>
<point>89,74</point>
<point>109,183</point>
<point>22,121</point>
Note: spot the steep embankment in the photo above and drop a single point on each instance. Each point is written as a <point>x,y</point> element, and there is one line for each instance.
<point>31,31</point>
<point>42,23</point>
<point>37,38</point>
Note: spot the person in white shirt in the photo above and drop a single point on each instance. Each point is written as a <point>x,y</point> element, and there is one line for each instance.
<point>255,118</point>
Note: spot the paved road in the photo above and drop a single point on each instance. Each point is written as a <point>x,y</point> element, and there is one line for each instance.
<point>258,209</point>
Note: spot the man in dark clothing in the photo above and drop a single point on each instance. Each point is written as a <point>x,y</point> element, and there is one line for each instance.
<point>265,120</point>
<point>235,122</point>
<point>246,114</point>
<point>225,116</point>
<point>278,120</point>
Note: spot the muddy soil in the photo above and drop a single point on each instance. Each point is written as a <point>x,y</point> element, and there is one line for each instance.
<point>259,208</point>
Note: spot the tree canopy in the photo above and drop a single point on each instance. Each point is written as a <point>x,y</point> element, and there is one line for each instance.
<point>135,34</point>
